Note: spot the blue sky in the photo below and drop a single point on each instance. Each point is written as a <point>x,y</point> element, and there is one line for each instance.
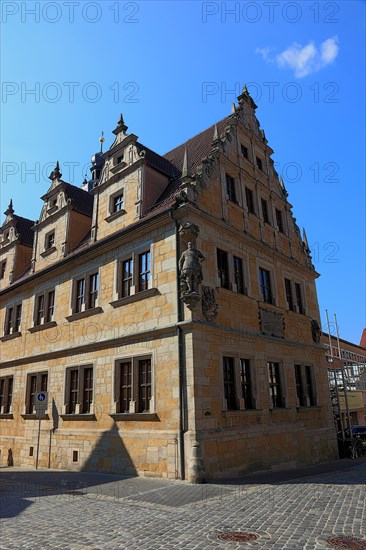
<point>173,69</point>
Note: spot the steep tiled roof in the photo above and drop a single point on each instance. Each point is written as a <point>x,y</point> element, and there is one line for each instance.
<point>158,162</point>
<point>82,200</point>
<point>24,229</point>
<point>198,147</point>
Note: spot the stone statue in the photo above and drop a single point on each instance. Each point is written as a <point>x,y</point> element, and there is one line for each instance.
<point>191,269</point>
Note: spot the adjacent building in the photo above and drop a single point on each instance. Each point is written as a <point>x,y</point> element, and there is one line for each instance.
<point>169,309</point>
<point>346,366</point>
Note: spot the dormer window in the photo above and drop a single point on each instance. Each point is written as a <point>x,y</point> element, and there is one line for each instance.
<point>6,236</point>
<point>50,240</point>
<point>120,159</point>
<point>118,203</point>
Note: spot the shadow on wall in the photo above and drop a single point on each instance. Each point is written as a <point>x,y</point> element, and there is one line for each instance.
<point>109,454</point>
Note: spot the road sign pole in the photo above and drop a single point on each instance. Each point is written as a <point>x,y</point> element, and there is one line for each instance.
<point>39,434</point>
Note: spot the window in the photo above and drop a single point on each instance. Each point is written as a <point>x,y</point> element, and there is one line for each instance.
<point>13,318</point>
<point>93,290</point>
<point>275,387</point>
<point>18,317</point>
<point>8,321</point>
<point>50,240</point>
<point>144,271</point>
<point>120,159</point>
<point>118,202</point>
<point>259,163</point>
<point>6,394</point>
<point>80,295</point>
<point>265,213</point>
<point>265,284</point>
<point>229,383</point>
<point>299,300</point>
<point>2,269</point>
<point>305,387</point>
<point>238,275</point>
<point>79,390</point>
<point>35,383</point>
<point>50,306</point>
<point>250,200</point>
<point>246,384</point>
<point>127,277</point>
<point>289,296</point>
<point>134,385</point>
<point>144,385</point>
<point>279,221</point>
<point>40,310</point>
<point>133,275</point>
<point>44,308</point>
<point>244,151</point>
<point>86,292</point>
<point>230,188</point>
<point>222,266</point>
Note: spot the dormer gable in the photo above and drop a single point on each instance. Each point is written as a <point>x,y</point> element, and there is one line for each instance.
<point>64,221</point>
<point>16,242</point>
<point>132,179</point>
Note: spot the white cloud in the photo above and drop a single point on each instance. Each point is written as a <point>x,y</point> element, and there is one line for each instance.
<point>303,60</point>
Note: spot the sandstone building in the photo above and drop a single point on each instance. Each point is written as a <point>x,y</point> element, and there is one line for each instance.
<point>163,358</point>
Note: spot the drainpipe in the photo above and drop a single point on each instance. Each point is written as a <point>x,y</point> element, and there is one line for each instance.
<point>181,358</point>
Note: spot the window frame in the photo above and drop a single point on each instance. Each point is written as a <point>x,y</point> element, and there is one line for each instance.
<point>234,397</point>
<point>6,396</point>
<point>230,188</point>
<point>13,319</point>
<point>277,382</point>
<point>306,394</point>
<point>2,269</point>
<point>264,288</point>
<point>130,397</point>
<point>75,403</point>
<point>238,275</point>
<point>259,163</point>
<point>280,221</point>
<point>223,270</point>
<point>289,294</point>
<point>83,297</point>
<point>135,286</point>
<point>265,211</point>
<point>34,384</point>
<point>41,316</point>
<point>249,200</point>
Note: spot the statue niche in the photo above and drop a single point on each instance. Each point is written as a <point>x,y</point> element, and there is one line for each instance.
<point>190,275</point>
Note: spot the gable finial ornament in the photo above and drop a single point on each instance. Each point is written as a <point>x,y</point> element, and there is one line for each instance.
<point>55,174</point>
<point>191,275</point>
<point>10,210</point>
<point>121,126</point>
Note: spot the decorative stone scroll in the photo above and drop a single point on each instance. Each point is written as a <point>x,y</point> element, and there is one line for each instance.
<point>210,307</point>
<point>271,323</point>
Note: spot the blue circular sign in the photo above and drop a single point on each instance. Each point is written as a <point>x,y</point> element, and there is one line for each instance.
<point>41,397</point>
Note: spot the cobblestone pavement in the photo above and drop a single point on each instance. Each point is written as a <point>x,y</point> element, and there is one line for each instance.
<point>80,511</point>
